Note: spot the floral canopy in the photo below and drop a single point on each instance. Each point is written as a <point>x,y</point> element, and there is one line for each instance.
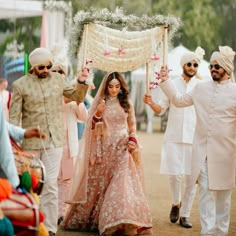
<point>113,41</point>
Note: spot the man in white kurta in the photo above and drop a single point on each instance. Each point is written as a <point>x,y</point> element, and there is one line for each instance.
<point>177,147</point>
<point>214,156</point>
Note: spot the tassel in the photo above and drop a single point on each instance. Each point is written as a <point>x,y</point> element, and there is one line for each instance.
<point>34,179</point>
<point>6,227</point>
<point>36,197</point>
<point>5,189</point>
<point>26,181</point>
<point>43,230</point>
<point>41,217</point>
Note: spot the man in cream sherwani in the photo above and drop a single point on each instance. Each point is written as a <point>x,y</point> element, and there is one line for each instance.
<point>176,153</point>
<point>37,102</point>
<point>214,145</point>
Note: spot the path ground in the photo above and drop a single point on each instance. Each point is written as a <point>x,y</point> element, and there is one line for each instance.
<point>158,195</point>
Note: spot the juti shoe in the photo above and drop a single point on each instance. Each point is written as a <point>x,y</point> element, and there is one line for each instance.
<point>174,213</point>
<point>60,219</point>
<point>185,222</point>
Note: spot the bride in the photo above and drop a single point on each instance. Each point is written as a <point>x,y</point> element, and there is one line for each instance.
<point>107,194</point>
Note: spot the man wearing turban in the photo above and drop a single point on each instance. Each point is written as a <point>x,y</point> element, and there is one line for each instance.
<point>37,102</point>
<point>178,139</point>
<point>214,156</point>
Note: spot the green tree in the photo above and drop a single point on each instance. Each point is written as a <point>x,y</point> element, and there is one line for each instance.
<point>24,30</point>
<point>200,22</point>
<point>206,23</point>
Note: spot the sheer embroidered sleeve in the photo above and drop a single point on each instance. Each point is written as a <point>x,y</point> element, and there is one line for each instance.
<point>132,124</point>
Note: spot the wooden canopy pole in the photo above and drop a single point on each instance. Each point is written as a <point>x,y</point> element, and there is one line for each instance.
<point>147,78</point>
<point>165,45</point>
<point>85,45</point>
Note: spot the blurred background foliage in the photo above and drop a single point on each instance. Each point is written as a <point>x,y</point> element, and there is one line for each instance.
<point>206,23</point>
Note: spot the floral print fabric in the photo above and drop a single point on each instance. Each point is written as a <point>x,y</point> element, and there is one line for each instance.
<point>116,203</point>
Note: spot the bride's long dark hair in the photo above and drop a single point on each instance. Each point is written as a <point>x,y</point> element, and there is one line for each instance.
<point>123,96</point>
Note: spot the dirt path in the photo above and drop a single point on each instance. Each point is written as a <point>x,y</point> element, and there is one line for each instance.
<point>157,189</point>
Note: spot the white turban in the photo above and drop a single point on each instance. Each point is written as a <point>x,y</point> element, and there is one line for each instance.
<point>225,58</point>
<point>189,56</point>
<point>62,64</point>
<point>60,58</point>
<point>40,56</point>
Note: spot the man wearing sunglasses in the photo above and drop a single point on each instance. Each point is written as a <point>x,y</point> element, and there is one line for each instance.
<point>214,156</point>
<point>177,146</point>
<point>37,102</point>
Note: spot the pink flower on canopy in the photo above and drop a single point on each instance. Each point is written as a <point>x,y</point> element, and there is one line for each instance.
<point>107,53</point>
<point>121,51</point>
<point>155,57</point>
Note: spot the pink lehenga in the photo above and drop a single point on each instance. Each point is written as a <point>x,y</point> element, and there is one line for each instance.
<point>108,190</point>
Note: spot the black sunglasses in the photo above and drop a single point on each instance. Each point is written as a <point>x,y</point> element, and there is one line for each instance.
<point>43,67</point>
<point>189,64</point>
<point>216,66</point>
<point>59,71</point>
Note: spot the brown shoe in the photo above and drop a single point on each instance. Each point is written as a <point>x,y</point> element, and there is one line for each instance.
<point>50,233</point>
<point>174,213</point>
<point>60,219</point>
<point>185,222</point>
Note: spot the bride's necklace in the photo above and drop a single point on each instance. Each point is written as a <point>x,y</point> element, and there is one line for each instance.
<point>113,100</point>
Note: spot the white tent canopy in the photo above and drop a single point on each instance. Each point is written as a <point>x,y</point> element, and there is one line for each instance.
<point>20,8</point>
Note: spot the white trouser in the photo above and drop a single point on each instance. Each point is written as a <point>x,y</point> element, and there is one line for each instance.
<point>63,190</point>
<point>49,196</point>
<point>189,193</point>
<point>214,207</point>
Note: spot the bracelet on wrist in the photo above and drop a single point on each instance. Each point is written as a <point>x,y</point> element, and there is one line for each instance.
<point>132,140</point>
<point>96,119</point>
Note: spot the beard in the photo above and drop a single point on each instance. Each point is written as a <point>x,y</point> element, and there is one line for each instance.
<point>216,76</point>
<point>190,75</point>
<point>42,75</point>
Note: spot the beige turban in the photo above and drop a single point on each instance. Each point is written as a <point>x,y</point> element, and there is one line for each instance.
<point>40,56</point>
<point>62,64</point>
<point>225,58</point>
<point>189,56</point>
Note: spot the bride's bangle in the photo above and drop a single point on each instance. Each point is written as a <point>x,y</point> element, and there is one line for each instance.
<point>132,140</point>
<point>96,119</point>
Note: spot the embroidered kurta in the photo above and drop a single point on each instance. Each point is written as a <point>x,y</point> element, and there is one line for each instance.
<point>176,152</point>
<point>115,187</point>
<point>215,133</point>
<point>38,102</point>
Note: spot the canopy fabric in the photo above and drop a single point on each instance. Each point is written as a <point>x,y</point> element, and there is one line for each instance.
<point>119,50</point>
<point>20,8</point>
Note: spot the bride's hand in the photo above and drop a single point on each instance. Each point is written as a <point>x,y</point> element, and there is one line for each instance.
<point>100,108</point>
<point>131,147</point>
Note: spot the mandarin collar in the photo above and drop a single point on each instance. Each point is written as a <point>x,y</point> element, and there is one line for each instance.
<point>224,82</point>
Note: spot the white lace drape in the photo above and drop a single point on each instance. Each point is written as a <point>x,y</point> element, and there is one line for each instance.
<point>119,50</point>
